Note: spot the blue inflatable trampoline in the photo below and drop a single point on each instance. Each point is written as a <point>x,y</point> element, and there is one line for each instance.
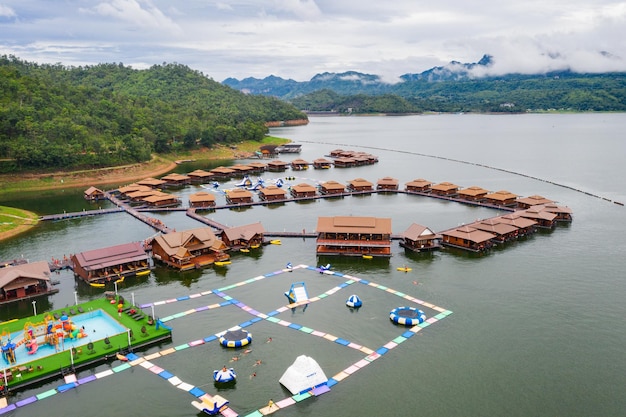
<point>235,338</point>
<point>407,316</point>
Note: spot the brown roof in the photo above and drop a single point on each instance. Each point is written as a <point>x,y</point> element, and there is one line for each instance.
<point>360,182</point>
<point>469,233</point>
<point>245,232</point>
<point>537,212</point>
<point>201,197</point>
<point>322,161</point>
<point>473,191</point>
<point>200,173</point>
<point>144,193</point>
<point>223,171</point>
<point>299,161</point>
<point>345,160</point>
<point>238,193</point>
<point>494,227</point>
<point>354,224</point>
<point>277,163</point>
<point>133,187</point>
<point>333,185</point>
<point>444,186</point>
<point>303,188</point>
<point>24,275</point>
<point>111,256</point>
<point>175,177</point>
<point>501,195</point>
<point>420,182</point>
<point>553,208</point>
<point>160,197</point>
<point>272,190</point>
<point>93,190</point>
<point>533,200</point>
<point>240,167</point>
<point>417,231</point>
<point>516,220</point>
<point>258,165</point>
<point>194,239</point>
<point>151,182</point>
<point>387,181</point>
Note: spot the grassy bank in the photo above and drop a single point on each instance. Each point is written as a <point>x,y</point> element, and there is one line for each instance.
<point>14,221</point>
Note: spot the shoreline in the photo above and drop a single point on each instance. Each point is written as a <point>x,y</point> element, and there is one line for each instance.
<point>158,166</point>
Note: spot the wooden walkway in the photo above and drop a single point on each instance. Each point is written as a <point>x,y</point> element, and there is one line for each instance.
<point>156,224</point>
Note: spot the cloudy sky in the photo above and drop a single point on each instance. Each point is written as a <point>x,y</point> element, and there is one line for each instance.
<point>300,38</point>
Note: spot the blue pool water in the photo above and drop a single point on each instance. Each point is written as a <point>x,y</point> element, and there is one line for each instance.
<point>98,325</point>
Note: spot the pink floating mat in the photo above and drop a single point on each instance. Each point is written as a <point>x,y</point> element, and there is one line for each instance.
<point>322,389</point>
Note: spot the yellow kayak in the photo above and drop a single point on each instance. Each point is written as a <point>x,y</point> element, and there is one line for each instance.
<point>143,273</point>
<point>97,285</point>
<point>222,263</point>
<point>367,256</point>
<point>276,242</point>
<point>404,269</point>
<point>244,250</point>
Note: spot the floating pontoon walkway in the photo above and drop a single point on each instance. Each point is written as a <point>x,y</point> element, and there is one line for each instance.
<point>136,212</point>
<point>146,362</point>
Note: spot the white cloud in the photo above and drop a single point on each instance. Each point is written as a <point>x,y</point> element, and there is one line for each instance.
<point>142,13</point>
<point>6,11</point>
<point>300,38</point>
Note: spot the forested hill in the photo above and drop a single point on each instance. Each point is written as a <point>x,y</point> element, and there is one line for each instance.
<point>574,92</point>
<point>55,116</point>
<point>452,88</point>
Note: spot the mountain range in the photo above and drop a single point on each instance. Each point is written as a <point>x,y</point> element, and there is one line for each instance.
<point>352,82</point>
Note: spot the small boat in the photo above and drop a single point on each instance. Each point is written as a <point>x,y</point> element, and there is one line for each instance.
<point>367,256</point>
<point>222,263</point>
<point>255,246</point>
<point>119,281</point>
<point>244,250</point>
<point>96,285</point>
<point>404,269</point>
<point>142,273</point>
<point>276,242</point>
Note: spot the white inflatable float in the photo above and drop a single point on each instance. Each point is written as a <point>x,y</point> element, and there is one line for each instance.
<point>303,375</point>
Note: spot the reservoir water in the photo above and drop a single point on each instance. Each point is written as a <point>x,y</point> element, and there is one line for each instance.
<point>538,326</point>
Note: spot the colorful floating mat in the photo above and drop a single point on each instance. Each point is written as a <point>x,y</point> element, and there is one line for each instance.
<point>371,355</point>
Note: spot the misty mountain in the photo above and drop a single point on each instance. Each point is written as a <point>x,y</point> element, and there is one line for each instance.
<point>351,82</point>
<point>452,77</point>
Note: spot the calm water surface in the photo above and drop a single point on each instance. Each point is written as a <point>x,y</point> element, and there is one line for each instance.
<point>538,325</point>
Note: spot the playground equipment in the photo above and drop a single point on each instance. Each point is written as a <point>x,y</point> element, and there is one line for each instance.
<point>8,351</point>
<point>298,295</point>
<point>211,404</point>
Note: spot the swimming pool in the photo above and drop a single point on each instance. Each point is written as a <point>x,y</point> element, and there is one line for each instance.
<point>97,326</point>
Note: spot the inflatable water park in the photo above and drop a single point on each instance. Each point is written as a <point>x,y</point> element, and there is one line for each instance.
<point>309,290</point>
